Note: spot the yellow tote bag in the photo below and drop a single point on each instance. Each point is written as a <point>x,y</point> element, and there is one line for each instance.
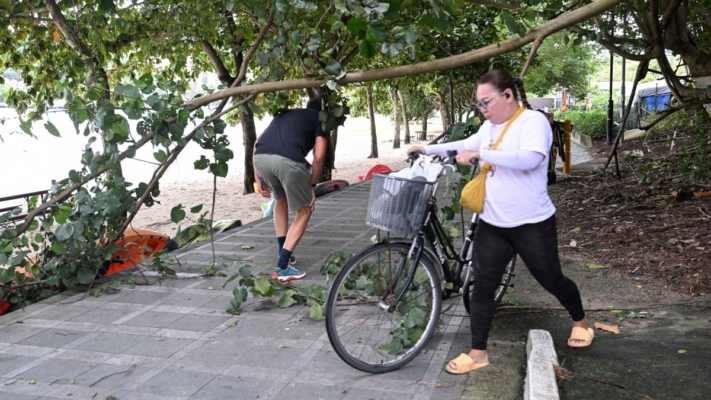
<point>474,192</point>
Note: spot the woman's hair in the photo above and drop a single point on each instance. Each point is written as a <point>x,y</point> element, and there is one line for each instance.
<point>502,80</point>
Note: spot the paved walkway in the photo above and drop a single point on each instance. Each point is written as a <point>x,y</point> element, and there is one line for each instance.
<point>174,340</point>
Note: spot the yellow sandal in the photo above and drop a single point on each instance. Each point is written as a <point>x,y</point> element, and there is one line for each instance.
<point>579,333</point>
<point>464,364</point>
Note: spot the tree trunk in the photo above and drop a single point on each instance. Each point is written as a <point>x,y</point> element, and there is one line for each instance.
<point>405,119</point>
<point>330,159</point>
<point>334,141</point>
<point>249,136</point>
<point>443,111</point>
<point>371,116</point>
<point>396,109</point>
<point>424,125</point>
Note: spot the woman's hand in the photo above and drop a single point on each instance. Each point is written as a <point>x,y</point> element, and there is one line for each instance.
<point>465,157</point>
<point>421,149</point>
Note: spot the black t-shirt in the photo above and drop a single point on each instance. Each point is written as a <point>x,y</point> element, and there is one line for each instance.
<point>291,134</point>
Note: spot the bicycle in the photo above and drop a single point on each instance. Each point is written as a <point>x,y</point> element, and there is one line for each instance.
<point>385,302</point>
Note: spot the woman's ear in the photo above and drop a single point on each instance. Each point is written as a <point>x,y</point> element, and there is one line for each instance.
<point>507,95</point>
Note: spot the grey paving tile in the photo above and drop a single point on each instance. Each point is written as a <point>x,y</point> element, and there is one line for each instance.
<point>105,297</point>
<point>16,396</point>
<point>372,394</point>
<point>31,351</point>
<point>310,391</point>
<point>177,383</point>
<point>109,342</point>
<point>72,391</point>
<point>62,312</point>
<point>189,300</point>
<point>17,332</point>
<point>109,376</point>
<point>134,395</point>
<point>229,387</point>
<point>143,297</point>
<point>200,323</point>
<point>57,371</point>
<point>153,319</point>
<point>157,346</point>
<point>56,338</point>
<point>11,362</point>
<point>102,315</point>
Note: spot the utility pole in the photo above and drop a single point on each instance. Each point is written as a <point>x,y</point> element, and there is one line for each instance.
<point>610,103</point>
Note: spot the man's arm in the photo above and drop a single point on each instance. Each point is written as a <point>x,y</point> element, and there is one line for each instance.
<point>319,158</point>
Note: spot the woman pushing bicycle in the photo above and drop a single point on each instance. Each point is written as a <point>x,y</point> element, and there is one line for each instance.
<point>518,215</point>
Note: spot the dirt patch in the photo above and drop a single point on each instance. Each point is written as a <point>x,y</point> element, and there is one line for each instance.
<point>653,230</point>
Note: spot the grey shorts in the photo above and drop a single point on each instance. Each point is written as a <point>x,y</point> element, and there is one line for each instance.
<point>285,177</point>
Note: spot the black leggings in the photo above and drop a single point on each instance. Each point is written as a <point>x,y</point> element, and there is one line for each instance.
<point>537,246</point>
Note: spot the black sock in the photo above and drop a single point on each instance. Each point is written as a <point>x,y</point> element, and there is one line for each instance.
<point>280,243</point>
<point>284,255</point>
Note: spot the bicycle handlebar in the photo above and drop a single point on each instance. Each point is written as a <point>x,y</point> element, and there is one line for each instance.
<point>451,158</point>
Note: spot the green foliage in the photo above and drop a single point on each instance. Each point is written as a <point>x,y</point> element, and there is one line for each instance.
<point>592,123</point>
<point>334,262</point>
<point>558,66</point>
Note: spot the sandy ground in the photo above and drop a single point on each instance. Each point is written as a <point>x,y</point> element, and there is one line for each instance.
<point>352,151</point>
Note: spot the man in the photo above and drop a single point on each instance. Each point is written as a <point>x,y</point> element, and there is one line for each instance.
<point>280,166</point>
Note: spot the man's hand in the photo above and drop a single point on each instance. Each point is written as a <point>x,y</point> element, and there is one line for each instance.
<point>313,200</point>
<point>263,189</point>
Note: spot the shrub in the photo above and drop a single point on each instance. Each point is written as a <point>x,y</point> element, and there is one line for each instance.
<point>592,123</point>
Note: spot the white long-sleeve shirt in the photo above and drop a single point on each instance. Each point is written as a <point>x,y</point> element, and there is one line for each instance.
<point>517,193</point>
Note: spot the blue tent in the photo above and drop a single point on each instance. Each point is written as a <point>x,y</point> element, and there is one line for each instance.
<point>653,96</point>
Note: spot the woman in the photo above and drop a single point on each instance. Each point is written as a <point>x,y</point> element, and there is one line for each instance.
<point>518,215</point>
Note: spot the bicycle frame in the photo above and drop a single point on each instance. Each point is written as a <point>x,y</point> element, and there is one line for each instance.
<point>432,231</point>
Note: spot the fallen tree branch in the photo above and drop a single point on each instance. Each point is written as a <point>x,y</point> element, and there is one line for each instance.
<point>562,22</point>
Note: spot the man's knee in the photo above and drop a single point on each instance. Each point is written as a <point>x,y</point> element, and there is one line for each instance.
<point>304,211</point>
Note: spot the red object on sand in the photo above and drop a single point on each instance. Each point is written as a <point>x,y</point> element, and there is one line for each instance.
<point>137,243</point>
<point>4,307</point>
<point>377,169</point>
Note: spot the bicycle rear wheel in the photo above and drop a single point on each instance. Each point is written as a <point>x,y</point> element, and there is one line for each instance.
<point>362,329</point>
<point>500,291</point>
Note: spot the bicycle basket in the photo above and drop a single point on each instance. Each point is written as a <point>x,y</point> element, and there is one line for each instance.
<point>398,205</point>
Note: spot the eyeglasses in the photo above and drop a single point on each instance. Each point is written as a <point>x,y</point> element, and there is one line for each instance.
<point>484,104</point>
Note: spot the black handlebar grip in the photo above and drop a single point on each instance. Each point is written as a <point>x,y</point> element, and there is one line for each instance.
<point>473,161</point>
<point>451,153</point>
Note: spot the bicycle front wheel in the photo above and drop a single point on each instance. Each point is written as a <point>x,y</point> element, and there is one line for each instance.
<point>365,327</point>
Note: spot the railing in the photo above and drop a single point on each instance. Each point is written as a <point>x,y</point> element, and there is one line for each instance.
<point>26,197</point>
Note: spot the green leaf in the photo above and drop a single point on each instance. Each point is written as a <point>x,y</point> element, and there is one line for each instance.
<point>247,247</point>
<point>64,232</point>
<point>394,9</point>
<point>52,129</point>
<point>177,214</point>
<point>576,229</point>
<point>128,91</point>
<point>411,35</point>
<point>356,25</point>
<point>59,248</point>
<point>337,25</point>
<point>366,48</point>
<point>219,169</point>
<point>682,351</point>
<point>436,23</point>
<point>287,299</point>
<point>595,266</point>
<point>262,286</point>
<point>245,271</point>
<point>333,68</point>
<point>377,31</point>
<point>159,155</point>
<point>511,23</point>
<point>196,209</point>
<point>316,312</point>
<point>26,127</point>
<point>85,276</point>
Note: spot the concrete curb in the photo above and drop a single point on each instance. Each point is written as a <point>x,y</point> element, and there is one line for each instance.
<point>540,374</point>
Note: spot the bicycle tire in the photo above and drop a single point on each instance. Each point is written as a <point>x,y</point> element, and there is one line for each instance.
<point>361,330</point>
<point>500,291</point>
